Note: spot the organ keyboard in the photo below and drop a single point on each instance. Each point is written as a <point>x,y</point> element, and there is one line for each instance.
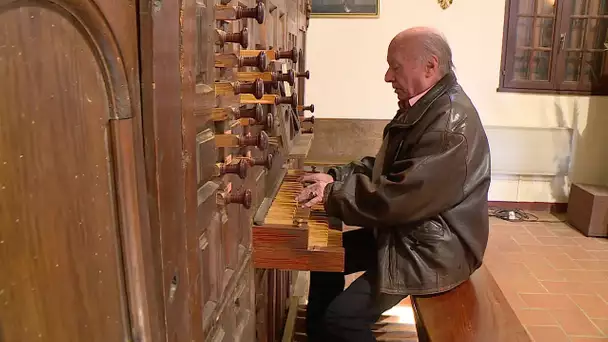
<point>286,236</point>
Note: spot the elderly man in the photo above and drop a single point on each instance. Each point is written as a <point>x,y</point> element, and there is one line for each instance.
<point>422,200</point>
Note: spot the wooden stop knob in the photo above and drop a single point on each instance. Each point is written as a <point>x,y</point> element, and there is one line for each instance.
<point>256,112</point>
<point>260,140</point>
<point>256,12</point>
<point>290,100</point>
<point>260,61</point>
<point>288,54</point>
<point>256,88</point>
<point>305,74</point>
<point>239,169</point>
<point>263,161</point>
<point>236,37</point>
<point>288,77</point>
<point>243,197</point>
<point>310,119</point>
<point>310,108</point>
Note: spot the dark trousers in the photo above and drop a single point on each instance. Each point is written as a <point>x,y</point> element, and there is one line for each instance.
<point>338,315</point>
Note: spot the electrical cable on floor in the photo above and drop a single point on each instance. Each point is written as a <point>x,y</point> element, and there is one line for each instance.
<point>517,215</point>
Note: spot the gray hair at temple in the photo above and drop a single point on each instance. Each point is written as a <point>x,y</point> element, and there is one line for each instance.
<point>434,43</point>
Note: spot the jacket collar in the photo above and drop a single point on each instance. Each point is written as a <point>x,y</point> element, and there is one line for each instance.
<point>410,116</point>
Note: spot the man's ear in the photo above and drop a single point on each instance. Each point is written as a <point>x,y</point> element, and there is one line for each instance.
<point>432,66</point>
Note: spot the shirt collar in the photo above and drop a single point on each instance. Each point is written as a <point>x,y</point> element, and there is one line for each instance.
<point>415,99</point>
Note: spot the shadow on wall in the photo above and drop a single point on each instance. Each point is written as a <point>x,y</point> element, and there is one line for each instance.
<point>589,158</point>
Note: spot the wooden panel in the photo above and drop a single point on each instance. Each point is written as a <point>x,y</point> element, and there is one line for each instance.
<point>70,189</point>
<point>210,173</point>
<point>162,88</point>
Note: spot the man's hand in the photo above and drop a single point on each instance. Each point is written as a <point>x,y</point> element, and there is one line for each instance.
<point>312,194</point>
<point>316,177</point>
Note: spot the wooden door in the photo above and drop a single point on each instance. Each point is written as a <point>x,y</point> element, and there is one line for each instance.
<point>73,231</point>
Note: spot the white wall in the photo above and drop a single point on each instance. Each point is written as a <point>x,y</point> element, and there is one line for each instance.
<point>353,87</point>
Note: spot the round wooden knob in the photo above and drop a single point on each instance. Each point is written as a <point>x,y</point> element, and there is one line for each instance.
<point>269,123</point>
<point>256,88</point>
<point>239,169</point>
<point>242,197</point>
<point>309,119</point>
<point>256,12</point>
<point>260,61</point>
<point>310,108</point>
<point>238,37</point>
<point>307,131</point>
<point>288,54</point>
<point>305,74</point>
<point>288,77</point>
<point>290,100</point>
<point>256,112</point>
<point>261,140</point>
<point>263,161</point>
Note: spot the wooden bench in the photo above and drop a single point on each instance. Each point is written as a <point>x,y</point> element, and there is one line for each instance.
<point>476,311</point>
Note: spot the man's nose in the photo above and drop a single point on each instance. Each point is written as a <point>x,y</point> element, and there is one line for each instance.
<point>388,76</point>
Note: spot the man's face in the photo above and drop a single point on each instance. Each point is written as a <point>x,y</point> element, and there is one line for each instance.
<point>408,76</point>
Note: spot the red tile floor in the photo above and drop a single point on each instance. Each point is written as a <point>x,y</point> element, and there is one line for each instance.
<point>555,278</point>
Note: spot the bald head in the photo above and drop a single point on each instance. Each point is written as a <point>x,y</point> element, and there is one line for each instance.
<point>418,58</point>
<point>423,44</point>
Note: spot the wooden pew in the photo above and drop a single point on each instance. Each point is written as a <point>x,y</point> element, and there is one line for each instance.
<point>476,311</point>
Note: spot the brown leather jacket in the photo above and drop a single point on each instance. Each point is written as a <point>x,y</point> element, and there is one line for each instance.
<point>429,207</point>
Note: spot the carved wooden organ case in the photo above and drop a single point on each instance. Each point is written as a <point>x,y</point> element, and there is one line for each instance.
<point>173,131</point>
<point>241,125</point>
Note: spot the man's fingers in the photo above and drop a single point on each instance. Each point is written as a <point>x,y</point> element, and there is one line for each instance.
<point>313,201</point>
<point>309,177</point>
<point>304,195</point>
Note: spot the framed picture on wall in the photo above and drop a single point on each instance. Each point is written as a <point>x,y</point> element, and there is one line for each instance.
<point>345,8</point>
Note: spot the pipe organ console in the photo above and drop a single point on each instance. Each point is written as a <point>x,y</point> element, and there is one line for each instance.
<point>244,136</point>
<point>190,231</point>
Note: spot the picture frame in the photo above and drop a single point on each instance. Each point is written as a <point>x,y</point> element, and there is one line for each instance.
<point>345,8</point>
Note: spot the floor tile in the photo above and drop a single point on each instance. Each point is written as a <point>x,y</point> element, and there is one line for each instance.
<point>547,334</point>
<point>575,322</point>
<point>593,305</point>
<point>555,279</point>
<point>556,241</point>
<point>579,253</point>
<point>535,317</point>
<point>539,230</point>
<point>568,287</point>
<point>542,269</point>
<point>600,255</point>
<point>602,324</point>
<point>563,262</point>
<point>548,301</point>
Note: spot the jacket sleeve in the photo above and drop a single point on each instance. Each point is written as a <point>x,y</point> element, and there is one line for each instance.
<point>413,189</point>
<point>364,166</point>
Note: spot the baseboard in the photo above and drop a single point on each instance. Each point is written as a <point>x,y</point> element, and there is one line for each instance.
<point>532,206</point>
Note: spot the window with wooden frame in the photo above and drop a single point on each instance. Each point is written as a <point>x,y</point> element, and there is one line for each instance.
<point>555,46</point>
